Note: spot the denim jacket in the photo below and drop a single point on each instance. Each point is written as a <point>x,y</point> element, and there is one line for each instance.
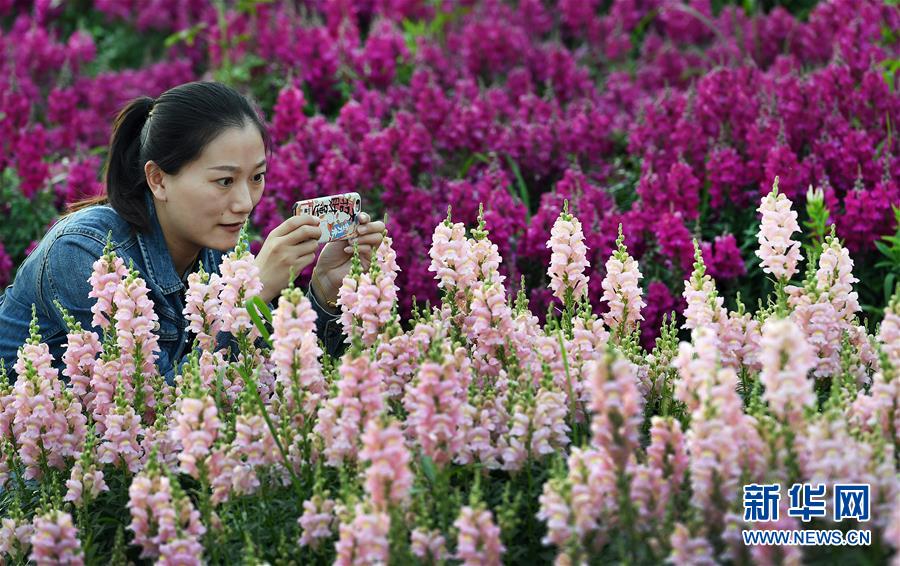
<point>59,269</point>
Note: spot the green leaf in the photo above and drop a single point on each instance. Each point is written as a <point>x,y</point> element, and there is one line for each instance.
<point>520,183</point>
<point>872,309</point>
<point>428,468</point>
<point>257,321</point>
<point>883,248</point>
<point>889,287</point>
<point>262,307</point>
<point>187,35</point>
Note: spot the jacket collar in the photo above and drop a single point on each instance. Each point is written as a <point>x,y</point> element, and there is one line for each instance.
<point>156,253</point>
<point>157,257</point>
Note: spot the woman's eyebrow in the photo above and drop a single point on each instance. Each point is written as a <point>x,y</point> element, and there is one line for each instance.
<point>235,167</point>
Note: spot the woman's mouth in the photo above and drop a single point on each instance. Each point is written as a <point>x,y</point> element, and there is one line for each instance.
<point>235,227</point>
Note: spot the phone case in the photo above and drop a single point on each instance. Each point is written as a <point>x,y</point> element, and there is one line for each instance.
<point>338,215</point>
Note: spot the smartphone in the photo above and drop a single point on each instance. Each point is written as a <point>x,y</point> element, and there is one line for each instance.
<point>338,215</point>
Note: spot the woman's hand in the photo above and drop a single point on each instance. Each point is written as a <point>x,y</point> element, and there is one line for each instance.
<point>290,248</point>
<point>334,261</point>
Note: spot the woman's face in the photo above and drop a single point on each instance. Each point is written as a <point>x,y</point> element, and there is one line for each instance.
<point>207,202</point>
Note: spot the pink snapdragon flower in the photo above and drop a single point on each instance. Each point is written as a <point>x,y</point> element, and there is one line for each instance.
<point>479,538</point>
<point>161,514</point>
<point>368,310</point>
<point>47,422</point>
<point>485,253</point>
<point>515,445</point>
<point>253,447</point>
<point>537,429</point>
<point>778,252</point>
<point>368,299</point>
<point>568,259</point>
<point>80,356</point>
<point>550,431</point>
<point>364,540</point>
<point>81,482</point>
<point>617,406</point>
<point>120,444</point>
<point>593,499</point>
<point>451,257</point>
<point>395,358</point>
<point>108,272</point>
<point>650,495</point>
<point>822,326</point>
<point>704,306</point>
<point>388,476</point>
<point>201,307</point>
<point>385,270</point>
<point>433,401</point>
<point>296,351</point>
<point>15,536</point>
<point>723,444</point>
<point>554,510</point>
<point>697,362</point>
<point>835,278</point>
<point>349,301</point>
<point>621,289</point>
<point>196,429</point>
<point>430,546</point>
<point>105,378</point>
<point>85,478</point>
<point>786,359</point>
<point>137,343</point>
<point>183,551</point>
<point>889,333</point>
<point>655,482</point>
<point>343,418</point>
<point>317,521</point>
<point>483,419</point>
<point>892,532</point>
<point>55,540</point>
<point>690,550</point>
<point>490,320</point>
<point>240,281</point>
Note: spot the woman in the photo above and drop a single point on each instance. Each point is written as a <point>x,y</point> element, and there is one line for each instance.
<point>183,174</point>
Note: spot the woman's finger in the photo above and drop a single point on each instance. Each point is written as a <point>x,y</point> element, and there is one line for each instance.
<point>364,250</point>
<point>371,228</point>
<point>303,234</point>
<point>304,248</point>
<point>293,223</point>
<point>364,218</point>
<point>302,262</point>
<point>370,239</point>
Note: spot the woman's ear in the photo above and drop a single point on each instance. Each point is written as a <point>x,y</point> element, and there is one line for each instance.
<point>155,179</point>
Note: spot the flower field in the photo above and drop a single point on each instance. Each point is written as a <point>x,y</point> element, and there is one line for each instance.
<point>642,254</point>
<point>477,436</point>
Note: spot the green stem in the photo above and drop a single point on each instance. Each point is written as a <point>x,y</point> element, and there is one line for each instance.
<point>570,392</point>
<point>250,381</point>
<point>206,510</point>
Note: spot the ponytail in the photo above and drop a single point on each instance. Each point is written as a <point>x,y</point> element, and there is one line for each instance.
<point>123,173</point>
<point>124,178</point>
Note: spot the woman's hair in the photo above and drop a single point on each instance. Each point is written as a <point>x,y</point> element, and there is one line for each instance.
<point>172,131</point>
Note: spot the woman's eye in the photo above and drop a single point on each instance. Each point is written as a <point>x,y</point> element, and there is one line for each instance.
<point>226,182</point>
<point>258,178</point>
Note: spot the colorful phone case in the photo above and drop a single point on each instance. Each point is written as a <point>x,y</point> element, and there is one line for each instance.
<point>338,215</point>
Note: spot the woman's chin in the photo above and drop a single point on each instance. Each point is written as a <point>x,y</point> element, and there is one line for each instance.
<point>224,243</point>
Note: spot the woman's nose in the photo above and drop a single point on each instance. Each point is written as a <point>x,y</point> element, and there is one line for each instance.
<point>243,199</point>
